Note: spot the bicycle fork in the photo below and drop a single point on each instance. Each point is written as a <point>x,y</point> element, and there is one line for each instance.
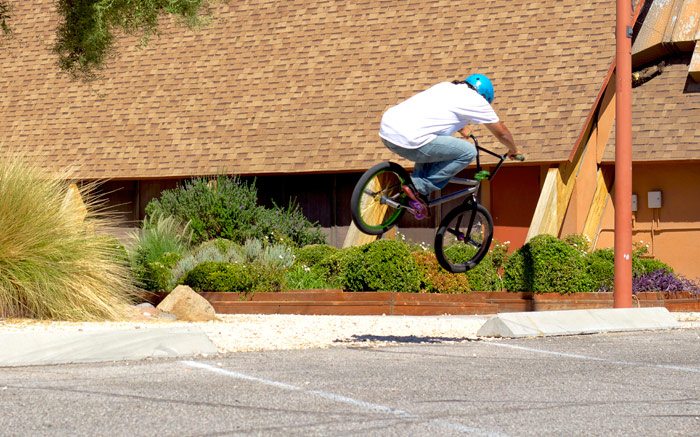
<point>461,236</point>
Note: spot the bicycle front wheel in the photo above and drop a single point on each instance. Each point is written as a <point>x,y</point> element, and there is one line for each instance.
<point>377,200</point>
<point>464,237</point>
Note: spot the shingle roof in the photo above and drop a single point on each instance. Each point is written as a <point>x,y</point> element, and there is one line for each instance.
<point>298,86</point>
<point>665,118</point>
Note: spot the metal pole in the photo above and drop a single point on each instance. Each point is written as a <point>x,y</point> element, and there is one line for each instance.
<point>622,295</point>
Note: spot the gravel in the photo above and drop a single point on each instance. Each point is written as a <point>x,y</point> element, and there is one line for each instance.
<point>255,332</point>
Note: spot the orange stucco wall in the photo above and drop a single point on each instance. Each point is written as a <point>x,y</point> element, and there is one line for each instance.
<point>514,194</point>
<point>672,231</point>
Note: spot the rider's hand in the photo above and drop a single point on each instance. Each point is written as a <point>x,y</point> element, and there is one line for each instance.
<point>515,155</point>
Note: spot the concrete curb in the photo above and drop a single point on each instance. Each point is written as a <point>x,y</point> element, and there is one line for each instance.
<point>573,322</point>
<point>42,348</point>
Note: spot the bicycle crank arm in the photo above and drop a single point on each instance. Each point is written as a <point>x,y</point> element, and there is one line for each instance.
<point>391,203</point>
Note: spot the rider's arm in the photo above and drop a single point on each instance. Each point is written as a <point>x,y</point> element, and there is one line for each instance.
<point>500,131</point>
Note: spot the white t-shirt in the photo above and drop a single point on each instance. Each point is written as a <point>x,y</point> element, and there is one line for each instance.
<point>442,109</point>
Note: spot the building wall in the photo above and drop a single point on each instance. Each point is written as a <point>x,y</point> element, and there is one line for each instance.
<point>672,231</point>
<point>514,195</point>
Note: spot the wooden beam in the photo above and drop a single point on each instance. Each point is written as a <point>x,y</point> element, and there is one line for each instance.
<point>375,212</point>
<point>355,237</point>
<point>544,220</point>
<point>591,227</point>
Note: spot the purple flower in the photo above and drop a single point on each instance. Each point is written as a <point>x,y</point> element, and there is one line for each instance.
<point>661,280</point>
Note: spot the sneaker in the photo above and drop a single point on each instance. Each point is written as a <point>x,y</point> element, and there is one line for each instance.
<point>418,202</point>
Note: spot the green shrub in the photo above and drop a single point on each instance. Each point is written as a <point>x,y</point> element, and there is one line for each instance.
<point>435,279</point>
<point>226,207</point>
<point>54,263</point>
<point>483,277</point>
<point>223,245</point>
<point>547,264</point>
<point>270,255</point>
<point>158,275</point>
<point>302,277</point>
<point>601,268</point>
<point>313,254</point>
<point>267,277</point>
<point>382,266</point>
<point>334,266</point>
<point>220,276</point>
<point>223,207</point>
<point>518,271</point>
<point>499,254</point>
<point>217,250</point>
<point>578,241</point>
<point>158,246</point>
<point>644,266</point>
<point>288,226</point>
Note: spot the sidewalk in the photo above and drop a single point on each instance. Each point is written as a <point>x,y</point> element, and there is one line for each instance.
<point>25,342</point>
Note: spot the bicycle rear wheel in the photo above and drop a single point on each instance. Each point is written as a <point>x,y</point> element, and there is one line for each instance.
<point>464,237</point>
<point>377,200</point>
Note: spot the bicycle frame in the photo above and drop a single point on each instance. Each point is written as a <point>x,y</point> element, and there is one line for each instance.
<point>472,183</point>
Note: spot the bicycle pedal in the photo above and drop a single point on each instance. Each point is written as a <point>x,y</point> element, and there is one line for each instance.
<point>418,209</point>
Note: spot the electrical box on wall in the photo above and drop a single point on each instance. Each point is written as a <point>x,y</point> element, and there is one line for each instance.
<point>654,199</point>
<point>634,202</point>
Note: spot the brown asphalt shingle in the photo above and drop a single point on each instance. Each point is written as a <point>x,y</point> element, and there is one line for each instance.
<point>665,118</point>
<point>298,86</point>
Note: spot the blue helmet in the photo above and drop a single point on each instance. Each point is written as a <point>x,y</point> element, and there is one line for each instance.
<point>482,85</point>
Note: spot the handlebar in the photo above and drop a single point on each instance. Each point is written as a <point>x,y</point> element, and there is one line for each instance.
<point>501,158</point>
<point>519,157</point>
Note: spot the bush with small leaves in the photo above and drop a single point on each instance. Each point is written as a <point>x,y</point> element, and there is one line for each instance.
<point>518,271</point>
<point>435,279</point>
<point>578,241</point>
<point>224,207</point>
<point>312,254</point>
<point>383,265</point>
<point>301,277</point>
<point>643,266</point>
<point>601,268</point>
<point>218,250</point>
<point>334,266</point>
<point>220,276</point>
<point>288,226</point>
<point>547,264</point>
<point>484,276</point>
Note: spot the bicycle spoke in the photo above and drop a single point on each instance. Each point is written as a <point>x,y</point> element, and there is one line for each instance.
<point>377,202</point>
<point>463,238</point>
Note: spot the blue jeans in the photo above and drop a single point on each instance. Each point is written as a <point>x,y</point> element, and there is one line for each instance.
<point>436,162</point>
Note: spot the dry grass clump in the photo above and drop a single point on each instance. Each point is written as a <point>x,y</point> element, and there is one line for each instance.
<point>55,260</point>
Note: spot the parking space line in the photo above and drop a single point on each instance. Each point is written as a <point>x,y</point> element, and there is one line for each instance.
<point>372,407</point>
<point>590,358</point>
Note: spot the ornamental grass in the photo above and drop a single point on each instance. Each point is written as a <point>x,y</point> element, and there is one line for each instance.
<point>56,261</point>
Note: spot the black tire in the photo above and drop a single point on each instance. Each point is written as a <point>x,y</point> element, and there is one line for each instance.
<point>455,230</point>
<point>369,213</point>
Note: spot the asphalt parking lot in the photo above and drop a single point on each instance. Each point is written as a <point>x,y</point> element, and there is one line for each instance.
<point>640,383</point>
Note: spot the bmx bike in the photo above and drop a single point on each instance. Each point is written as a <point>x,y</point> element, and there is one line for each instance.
<point>465,232</point>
